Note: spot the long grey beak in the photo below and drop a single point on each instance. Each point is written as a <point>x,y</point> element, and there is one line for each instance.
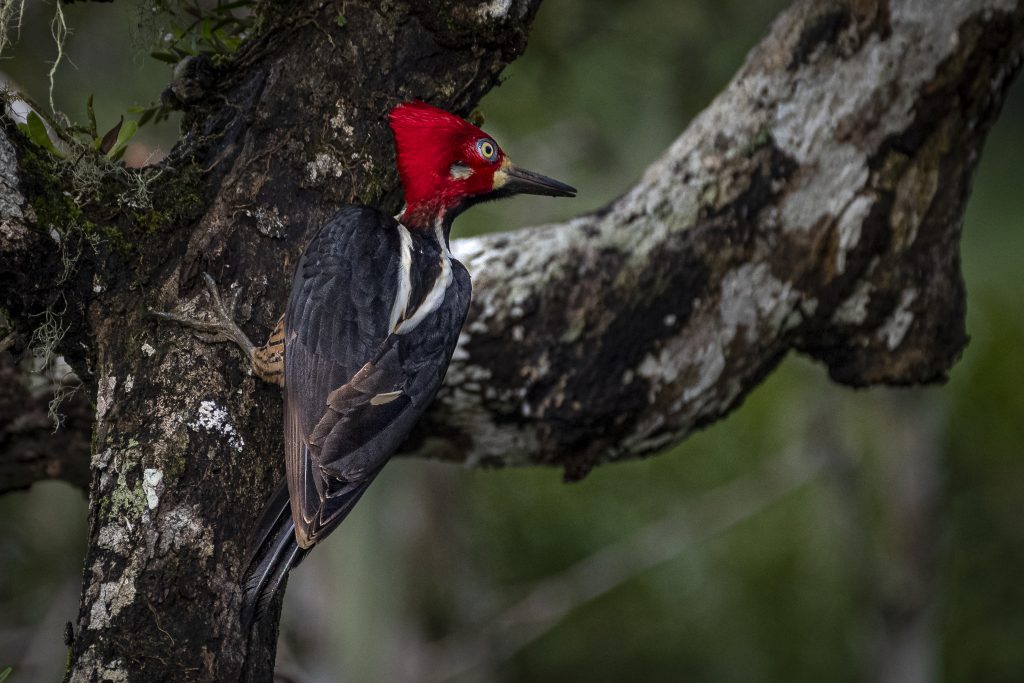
<point>521,181</point>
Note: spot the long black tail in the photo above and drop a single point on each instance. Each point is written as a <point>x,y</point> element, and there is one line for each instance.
<point>272,554</point>
<point>274,550</point>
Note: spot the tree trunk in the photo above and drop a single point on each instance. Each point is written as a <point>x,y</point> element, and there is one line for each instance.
<point>815,205</point>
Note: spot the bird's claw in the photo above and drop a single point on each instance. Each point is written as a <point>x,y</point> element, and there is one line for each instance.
<point>223,311</point>
<point>223,329</point>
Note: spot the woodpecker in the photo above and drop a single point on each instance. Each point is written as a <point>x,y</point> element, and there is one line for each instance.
<point>376,306</point>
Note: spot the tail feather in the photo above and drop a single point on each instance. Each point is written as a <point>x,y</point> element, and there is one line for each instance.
<point>276,513</point>
<point>274,550</point>
<point>290,557</point>
<point>272,554</point>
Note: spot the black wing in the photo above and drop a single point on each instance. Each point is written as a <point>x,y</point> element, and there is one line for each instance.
<point>347,275</point>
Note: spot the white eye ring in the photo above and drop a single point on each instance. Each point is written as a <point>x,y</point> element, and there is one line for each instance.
<point>487,149</point>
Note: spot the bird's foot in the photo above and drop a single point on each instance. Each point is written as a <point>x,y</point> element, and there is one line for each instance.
<point>222,329</point>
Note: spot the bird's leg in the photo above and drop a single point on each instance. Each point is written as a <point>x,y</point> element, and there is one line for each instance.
<point>267,360</point>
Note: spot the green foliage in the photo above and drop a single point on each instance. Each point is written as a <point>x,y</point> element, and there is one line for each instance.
<point>35,129</point>
<point>5,674</point>
<point>215,31</point>
<point>78,139</point>
<point>113,144</point>
<point>202,29</point>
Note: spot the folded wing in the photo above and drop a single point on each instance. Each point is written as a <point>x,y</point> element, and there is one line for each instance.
<point>354,388</point>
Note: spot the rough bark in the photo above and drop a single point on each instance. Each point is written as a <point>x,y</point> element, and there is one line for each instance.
<point>815,205</point>
<point>185,444</point>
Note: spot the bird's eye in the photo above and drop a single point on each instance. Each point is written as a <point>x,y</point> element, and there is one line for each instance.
<point>487,149</point>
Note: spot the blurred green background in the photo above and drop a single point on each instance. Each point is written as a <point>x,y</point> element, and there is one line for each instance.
<point>818,534</point>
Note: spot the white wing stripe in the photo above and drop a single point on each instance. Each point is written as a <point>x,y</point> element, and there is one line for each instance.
<point>404,289</point>
<point>432,301</point>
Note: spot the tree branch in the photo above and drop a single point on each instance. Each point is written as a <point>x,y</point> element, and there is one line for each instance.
<point>815,205</point>
<point>28,262</point>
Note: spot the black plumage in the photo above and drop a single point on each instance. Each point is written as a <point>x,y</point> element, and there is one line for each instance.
<point>354,387</point>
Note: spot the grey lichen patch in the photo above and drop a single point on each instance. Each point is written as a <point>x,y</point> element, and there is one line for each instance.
<point>661,367</point>
<point>113,597</point>
<point>854,309</point>
<point>152,486</point>
<point>214,419</point>
<point>324,167</point>
<point>184,528</point>
<point>535,257</point>
<point>839,111</point>
<point>685,366</point>
<point>339,122</point>
<point>651,212</point>
<point>641,440</point>
<point>11,199</point>
<point>895,328</point>
<point>268,221</point>
<point>89,668</point>
<point>169,450</point>
<point>492,10</point>
<point>522,272</point>
<point>827,191</point>
<point>753,299</point>
<point>849,228</point>
<point>462,369</point>
<point>114,537</point>
<point>469,400</point>
<point>508,444</point>
<point>104,396</point>
<point>707,365</point>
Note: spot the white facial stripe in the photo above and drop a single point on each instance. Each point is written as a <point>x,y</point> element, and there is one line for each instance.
<point>460,171</point>
<point>404,288</point>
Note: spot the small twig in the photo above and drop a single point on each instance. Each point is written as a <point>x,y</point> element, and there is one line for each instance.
<point>156,620</point>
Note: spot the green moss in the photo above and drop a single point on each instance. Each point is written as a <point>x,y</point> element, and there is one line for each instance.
<point>46,181</point>
<point>77,198</point>
<point>175,466</point>
<point>373,189</point>
<point>125,500</point>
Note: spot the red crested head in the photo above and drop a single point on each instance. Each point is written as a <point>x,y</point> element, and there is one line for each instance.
<point>447,164</point>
